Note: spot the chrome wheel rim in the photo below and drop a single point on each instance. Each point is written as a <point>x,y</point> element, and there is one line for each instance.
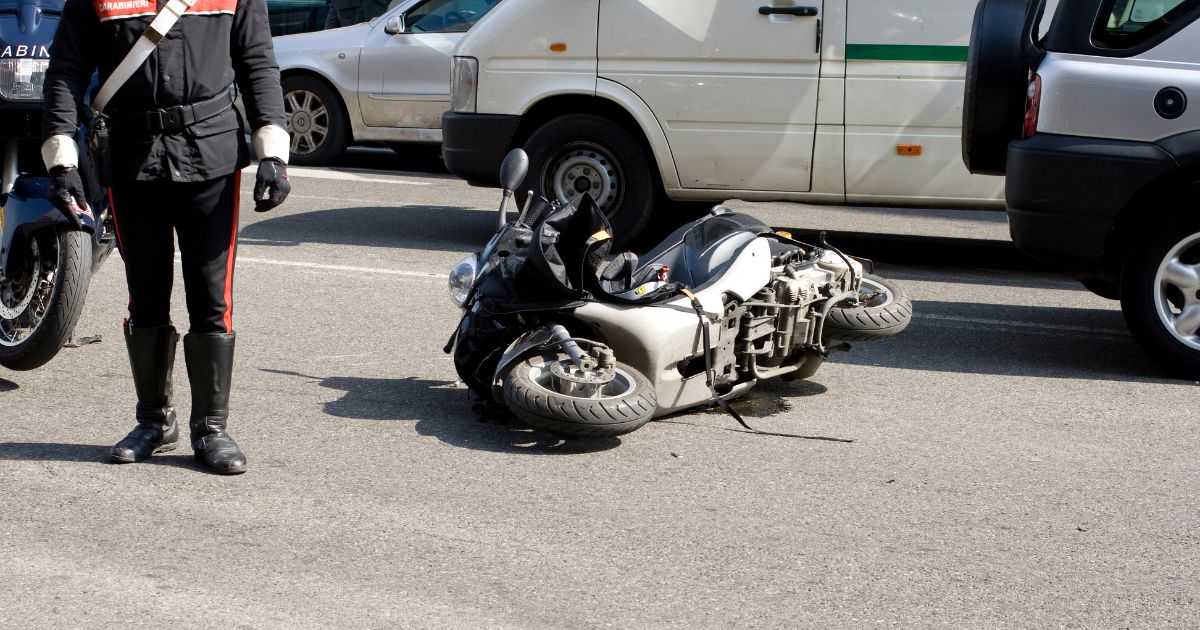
<point>874,293</point>
<point>25,300</point>
<point>585,167</point>
<point>543,378</point>
<point>307,121</point>
<point>1177,291</point>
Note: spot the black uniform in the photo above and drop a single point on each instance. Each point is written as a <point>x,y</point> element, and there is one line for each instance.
<point>189,77</point>
<point>178,149</point>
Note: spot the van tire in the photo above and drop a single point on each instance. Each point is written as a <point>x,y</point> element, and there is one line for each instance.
<point>996,84</point>
<point>600,154</point>
<point>314,96</point>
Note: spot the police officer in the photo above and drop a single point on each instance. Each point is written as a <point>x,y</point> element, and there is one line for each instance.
<point>178,149</point>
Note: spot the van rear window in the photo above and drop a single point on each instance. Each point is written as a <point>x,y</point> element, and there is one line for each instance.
<point>1130,23</point>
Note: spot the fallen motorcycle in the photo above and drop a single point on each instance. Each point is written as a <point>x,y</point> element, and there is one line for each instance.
<point>46,260</point>
<point>578,341</point>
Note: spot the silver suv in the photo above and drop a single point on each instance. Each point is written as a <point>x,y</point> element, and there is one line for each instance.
<point>1096,124</point>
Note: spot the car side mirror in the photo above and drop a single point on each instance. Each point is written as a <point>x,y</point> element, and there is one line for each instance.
<point>395,25</point>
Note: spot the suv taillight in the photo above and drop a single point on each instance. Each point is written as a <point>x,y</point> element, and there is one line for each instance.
<point>1033,106</point>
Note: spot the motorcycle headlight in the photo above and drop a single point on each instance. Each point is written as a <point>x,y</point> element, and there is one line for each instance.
<point>462,278</point>
<point>21,79</point>
<point>464,84</point>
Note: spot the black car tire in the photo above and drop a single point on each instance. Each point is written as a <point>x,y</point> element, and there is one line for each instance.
<point>310,105</point>
<point>997,82</point>
<point>608,154</point>
<point>1149,299</point>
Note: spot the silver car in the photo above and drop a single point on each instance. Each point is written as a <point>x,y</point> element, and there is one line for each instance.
<point>385,81</point>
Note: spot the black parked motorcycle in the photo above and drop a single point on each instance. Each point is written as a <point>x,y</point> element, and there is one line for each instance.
<point>45,262</point>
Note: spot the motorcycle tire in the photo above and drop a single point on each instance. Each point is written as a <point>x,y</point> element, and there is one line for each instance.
<point>885,314</point>
<point>628,407</point>
<point>1160,294</point>
<point>69,267</point>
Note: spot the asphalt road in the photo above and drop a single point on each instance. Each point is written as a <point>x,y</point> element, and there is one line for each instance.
<point>1017,460</point>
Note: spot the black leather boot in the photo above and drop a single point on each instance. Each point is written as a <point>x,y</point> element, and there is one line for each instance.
<point>151,358</point>
<point>210,370</point>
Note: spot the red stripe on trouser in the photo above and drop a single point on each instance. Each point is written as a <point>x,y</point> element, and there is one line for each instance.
<point>112,210</point>
<point>229,259</point>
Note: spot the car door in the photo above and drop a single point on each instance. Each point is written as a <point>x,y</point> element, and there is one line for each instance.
<point>404,76</point>
<point>732,82</point>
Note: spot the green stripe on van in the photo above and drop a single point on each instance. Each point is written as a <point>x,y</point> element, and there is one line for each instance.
<point>893,52</point>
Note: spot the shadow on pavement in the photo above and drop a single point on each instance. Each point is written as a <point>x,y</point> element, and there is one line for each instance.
<point>412,158</point>
<point>8,386</point>
<point>93,454</point>
<point>52,452</point>
<point>1012,340</point>
<point>438,228</point>
<point>442,409</point>
<point>937,251</point>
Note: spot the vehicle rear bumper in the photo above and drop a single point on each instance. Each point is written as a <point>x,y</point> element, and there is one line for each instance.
<point>1064,193</point>
<point>474,145</point>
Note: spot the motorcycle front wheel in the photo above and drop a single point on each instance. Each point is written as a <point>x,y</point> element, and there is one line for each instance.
<point>620,406</point>
<point>41,303</point>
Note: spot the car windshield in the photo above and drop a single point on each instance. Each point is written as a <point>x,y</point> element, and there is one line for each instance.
<point>448,16</point>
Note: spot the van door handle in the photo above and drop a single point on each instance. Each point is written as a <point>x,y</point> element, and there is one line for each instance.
<point>797,11</point>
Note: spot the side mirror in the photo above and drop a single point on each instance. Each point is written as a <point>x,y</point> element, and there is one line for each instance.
<point>395,25</point>
<point>514,169</point>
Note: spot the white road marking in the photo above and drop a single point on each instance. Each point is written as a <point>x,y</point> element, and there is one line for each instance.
<point>1034,326</point>
<point>321,173</point>
<point>371,270</point>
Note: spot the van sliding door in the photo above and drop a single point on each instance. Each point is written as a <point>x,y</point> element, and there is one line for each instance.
<point>732,82</point>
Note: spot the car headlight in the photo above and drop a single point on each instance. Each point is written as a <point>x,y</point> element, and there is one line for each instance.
<point>462,279</point>
<point>21,79</point>
<point>464,84</point>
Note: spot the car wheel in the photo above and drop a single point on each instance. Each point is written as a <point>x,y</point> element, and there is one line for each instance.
<point>1160,294</point>
<point>997,81</point>
<point>586,154</point>
<point>316,119</point>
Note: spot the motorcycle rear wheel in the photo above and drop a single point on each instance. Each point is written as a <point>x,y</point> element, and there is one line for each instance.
<point>625,405</point>
<point>39,309</point>
<point>884,312</point>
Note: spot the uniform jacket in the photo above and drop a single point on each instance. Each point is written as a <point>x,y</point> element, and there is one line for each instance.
<point>213,45</point>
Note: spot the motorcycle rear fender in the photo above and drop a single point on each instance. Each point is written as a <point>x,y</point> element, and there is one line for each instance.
<point>27,210</point>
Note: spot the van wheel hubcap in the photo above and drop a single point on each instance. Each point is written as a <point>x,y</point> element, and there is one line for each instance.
<point>584,167</point>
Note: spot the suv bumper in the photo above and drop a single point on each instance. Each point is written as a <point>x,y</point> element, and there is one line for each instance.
<point>474,145</point>
<point>1064,194</point>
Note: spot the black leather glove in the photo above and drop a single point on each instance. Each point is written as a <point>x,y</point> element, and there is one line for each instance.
<point>272,186</point>
<point>66,193</point>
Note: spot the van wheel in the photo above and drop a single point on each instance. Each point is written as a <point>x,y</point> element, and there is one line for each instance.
<point>582,153</point>
<point>1160,294</point>
<point>997,81</point>
<point>316,121</point>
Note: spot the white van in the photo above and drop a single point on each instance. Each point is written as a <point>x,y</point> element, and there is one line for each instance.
<point>838,101</point>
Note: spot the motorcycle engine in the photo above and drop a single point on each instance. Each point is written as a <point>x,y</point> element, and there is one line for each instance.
<point>778,320</point>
